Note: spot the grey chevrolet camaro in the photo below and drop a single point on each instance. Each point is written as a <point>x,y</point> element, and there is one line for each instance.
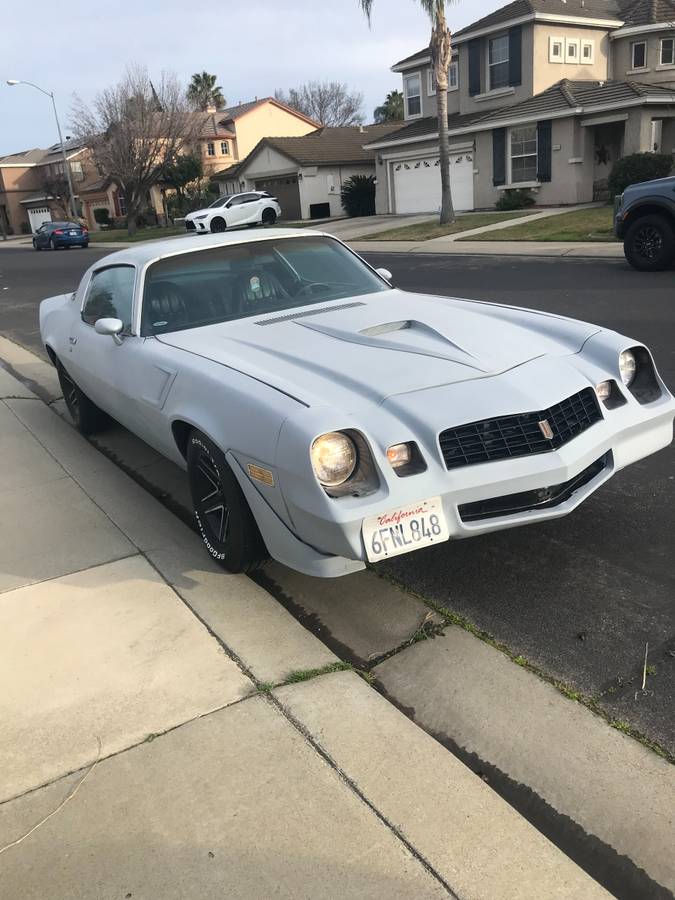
<point>326,418</point>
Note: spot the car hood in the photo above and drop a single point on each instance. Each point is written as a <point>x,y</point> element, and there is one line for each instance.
<point>351,352</point>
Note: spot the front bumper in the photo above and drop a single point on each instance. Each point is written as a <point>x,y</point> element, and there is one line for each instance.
<point>623,442</point>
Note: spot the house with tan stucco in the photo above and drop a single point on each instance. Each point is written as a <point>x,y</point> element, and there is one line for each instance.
<point>544,95</point>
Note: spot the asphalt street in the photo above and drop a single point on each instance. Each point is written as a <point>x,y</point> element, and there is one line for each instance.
<point>580,597</point>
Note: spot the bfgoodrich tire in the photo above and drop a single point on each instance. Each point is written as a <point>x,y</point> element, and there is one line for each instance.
<point>226,524</point>
<point>649,244</point>
<point>86,416</point>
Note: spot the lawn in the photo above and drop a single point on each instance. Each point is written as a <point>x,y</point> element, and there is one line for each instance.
<point>428,230</point>
<point>143,234</point>
<point>593,224</point>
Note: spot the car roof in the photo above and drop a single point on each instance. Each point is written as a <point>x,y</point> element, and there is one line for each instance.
<point>151,251</point>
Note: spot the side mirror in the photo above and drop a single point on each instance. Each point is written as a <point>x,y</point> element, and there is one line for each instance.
<point>111,327</point>
<point>384,273</point>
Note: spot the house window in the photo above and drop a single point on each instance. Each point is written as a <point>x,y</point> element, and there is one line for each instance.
<point>555,50</point>
<point>587,53</point>
<point>667,57</point>
<point>413,100</point>
<point>498,62</point>
<point>523,154</point>
<point>224,148</point>
<point>122,204</point>
<point>211,149</point>
<point>572,50</point>
<point>638,55</point>
<point>452,79</point>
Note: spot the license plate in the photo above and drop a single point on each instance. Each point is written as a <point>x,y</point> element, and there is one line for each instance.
<point>72,233</point>
<point>404,529</point>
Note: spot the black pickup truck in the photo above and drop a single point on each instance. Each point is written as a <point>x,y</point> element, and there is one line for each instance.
<point>644,219</point>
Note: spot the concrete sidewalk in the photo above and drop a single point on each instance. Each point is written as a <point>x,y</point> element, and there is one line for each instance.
<point>578,249</point>
<point>151,747</point>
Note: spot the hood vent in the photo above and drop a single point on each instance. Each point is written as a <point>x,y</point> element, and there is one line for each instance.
<point>386,328</point>
<point>309,312</point>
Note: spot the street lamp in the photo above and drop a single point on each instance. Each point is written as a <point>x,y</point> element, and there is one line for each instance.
<point>12,82</point>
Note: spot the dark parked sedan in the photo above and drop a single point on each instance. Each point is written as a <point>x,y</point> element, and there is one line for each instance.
<point>52,235</point>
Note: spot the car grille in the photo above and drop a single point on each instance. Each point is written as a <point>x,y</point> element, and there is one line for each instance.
<point>521,435</point>
<point>190,225</point>
<point>535,500</point>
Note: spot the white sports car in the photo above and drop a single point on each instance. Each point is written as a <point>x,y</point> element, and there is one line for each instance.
<point>326,418</point>
<point>232,210</point>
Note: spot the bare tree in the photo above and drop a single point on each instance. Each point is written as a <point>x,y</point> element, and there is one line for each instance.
<point>440,46</point>
<point>55,187</point>
<point>136,131</point>
<point>327,102</point>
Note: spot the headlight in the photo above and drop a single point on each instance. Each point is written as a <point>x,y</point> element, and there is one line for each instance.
<point>202,217</point>
<point>627,367</point>
<point>333,457</point>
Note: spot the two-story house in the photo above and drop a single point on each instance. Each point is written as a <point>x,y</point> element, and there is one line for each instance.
<point>542,94</point>
<point>33,186</point>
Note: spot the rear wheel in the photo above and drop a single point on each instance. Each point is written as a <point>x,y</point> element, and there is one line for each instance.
<point>218,224</point>
<point>51,244</point>
<point>269,217</point>
<point>86,416</point>
<point>225,521</point>
<point>649,244</point>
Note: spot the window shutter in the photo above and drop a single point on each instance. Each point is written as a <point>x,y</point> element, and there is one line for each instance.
<point>515,55</point>
<point>474,66</point>
<point>544,150</point>
<point>499,156</point>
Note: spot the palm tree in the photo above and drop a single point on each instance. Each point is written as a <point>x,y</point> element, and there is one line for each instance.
<point>440,46</point>
<point>392,108</point>
<point>204,92</point>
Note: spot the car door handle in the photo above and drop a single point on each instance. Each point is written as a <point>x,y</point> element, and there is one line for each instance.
<point>73,340</point>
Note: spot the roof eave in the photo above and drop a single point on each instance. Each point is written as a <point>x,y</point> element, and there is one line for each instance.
<point>469,33</point>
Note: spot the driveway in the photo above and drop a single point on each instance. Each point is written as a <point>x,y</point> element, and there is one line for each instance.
<point>577,598</point>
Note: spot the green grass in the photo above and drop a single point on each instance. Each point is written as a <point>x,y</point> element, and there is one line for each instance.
<point>428,230</point>
<point>594,224</point>
<point>143,234</point>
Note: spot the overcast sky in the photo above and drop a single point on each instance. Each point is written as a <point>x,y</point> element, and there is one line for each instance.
<point>254,47</point>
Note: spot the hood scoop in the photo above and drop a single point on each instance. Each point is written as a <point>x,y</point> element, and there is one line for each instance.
<point>407,336</point>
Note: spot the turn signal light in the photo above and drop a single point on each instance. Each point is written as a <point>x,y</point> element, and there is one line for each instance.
<point>399,455</point>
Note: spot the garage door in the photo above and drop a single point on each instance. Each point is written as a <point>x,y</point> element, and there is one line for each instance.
<point>286,191</point>
<point>417,183</point>
<point>39,217</point>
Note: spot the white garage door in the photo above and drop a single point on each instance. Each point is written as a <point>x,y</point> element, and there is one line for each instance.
<point>417,183</point>
<point>39,217</point>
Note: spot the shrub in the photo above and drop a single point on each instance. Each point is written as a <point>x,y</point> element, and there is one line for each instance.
<point>358,195</point>
<point>517,198</point>
<point>636,168</point>
<point>102,216</point>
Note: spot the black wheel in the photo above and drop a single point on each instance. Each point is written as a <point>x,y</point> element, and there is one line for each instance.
<point>86,416</point>
<point>51,244</point>
<point>225,521</point>
<point>269,217</point>
<point>84,246</point>
<point>218,224</point>
<point>35,245</point>
<point>649,244</point>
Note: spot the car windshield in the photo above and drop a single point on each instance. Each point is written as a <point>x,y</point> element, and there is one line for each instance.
<point>220,201</point>
<point>250,279</point>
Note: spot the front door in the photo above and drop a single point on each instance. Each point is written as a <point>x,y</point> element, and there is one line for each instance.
<point>129,380</point>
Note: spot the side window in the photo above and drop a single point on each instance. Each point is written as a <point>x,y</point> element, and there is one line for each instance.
<point>110,295</point>
<point>236,201</point>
